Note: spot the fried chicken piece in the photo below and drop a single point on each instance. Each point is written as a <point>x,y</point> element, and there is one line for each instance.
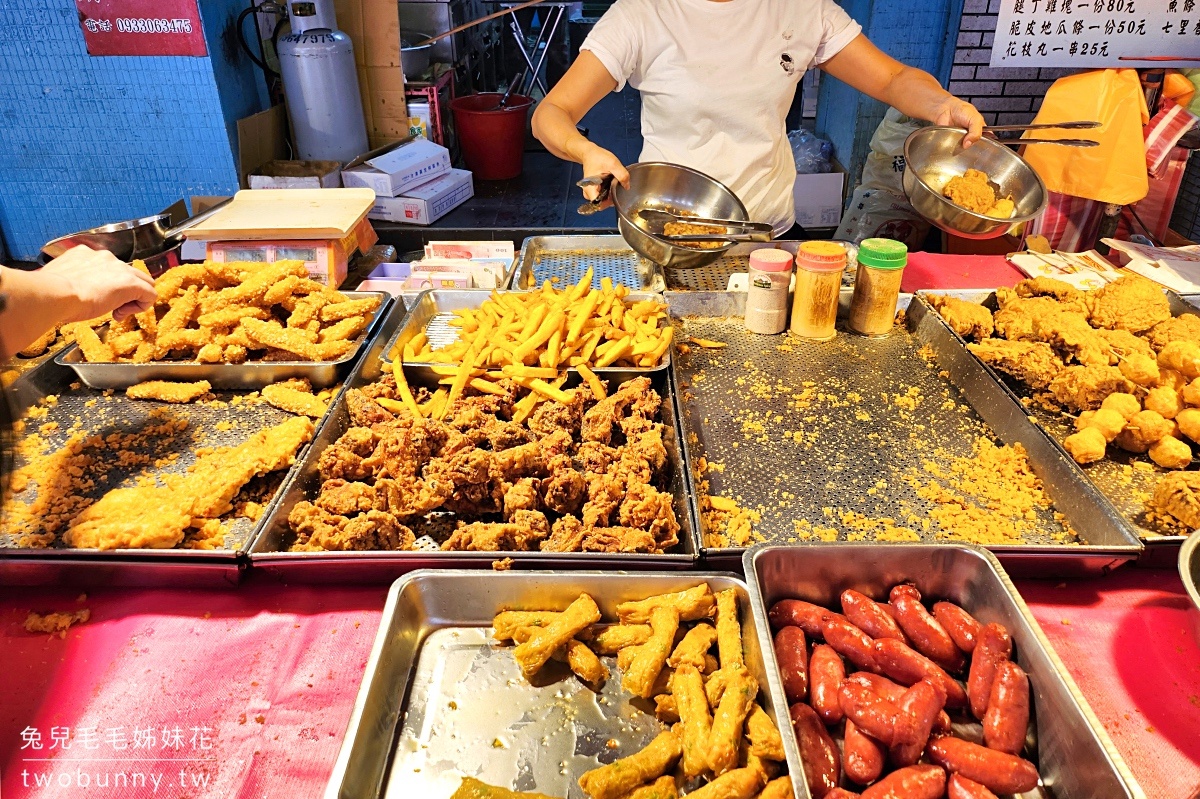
<point>967,319</point>
<point>266,334</point>
<point>599,420</point>
<point>334,312</point>
<point>566,536</point>
<point>651,510</point>
<point>1130,303</point>
<point>605,494</point>
<point>169,341</point>
<point>551,416</point>
<point>1083,388</point>
<point>232,316</point>
<point>619,539</point>
<point>346,498</point>
<point>514,463</point>
<point>39,344</point>
<point>521,495</point>
<point>131,518</point>
<point>182,311</point>
<point>320,531</point>
<point>403,451</point>
<point>476,499</point>
<point>281,290</point>
<point>971,190</point>
<point>1185,327</point>
<point>1014,320</point>
<point>292,400</point>
<point>1178,494</point>
<point>1060,290</point>
<point>1071,335</point>
<point>524,532</point>
<point>1033,363</point>
<point>253,288</point>
<point>595,458</point>
<point>94,350</point>
<point>364,411</point>
<point>408,496</point>
<point>167,391</point>
<point>469,467</point>
<point>344,458</point>
<point>343,330</point>
<point>502,435</point>
<point>306,310</point>
<point>180,278</point>
<point>1125,343</point>
<point>565,490</point>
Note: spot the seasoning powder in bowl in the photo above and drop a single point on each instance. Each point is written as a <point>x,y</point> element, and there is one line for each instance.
<point>881,265</point>
<point>767,296</point>
<point>819,267</point>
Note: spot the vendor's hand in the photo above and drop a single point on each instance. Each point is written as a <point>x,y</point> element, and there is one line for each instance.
<point>961,114</point>
<point>95,282</point>
<point>599,161</point>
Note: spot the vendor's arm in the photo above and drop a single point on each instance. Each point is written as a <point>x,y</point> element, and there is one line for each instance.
<point>554,122</point>
<point>80,284</point>
<point>911,91</point>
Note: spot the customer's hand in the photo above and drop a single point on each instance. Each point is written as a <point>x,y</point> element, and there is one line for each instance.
<point>95,282</point>
<point>599,161</point>
<point>960,114</point>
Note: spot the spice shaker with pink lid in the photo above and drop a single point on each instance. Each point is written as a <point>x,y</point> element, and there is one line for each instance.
<point>767,295</point>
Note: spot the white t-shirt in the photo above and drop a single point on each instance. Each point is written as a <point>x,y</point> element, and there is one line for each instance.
<point>717,80</point>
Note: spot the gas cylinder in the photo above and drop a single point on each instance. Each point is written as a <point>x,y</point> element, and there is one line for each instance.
<point>320,84</point>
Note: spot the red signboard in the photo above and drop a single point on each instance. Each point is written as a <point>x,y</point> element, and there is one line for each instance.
<point>142,27</point>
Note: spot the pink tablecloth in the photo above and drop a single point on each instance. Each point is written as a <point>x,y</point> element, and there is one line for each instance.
<point>259,683</point>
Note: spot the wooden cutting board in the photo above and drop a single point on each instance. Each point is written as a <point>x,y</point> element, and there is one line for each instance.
<point>280,214</point>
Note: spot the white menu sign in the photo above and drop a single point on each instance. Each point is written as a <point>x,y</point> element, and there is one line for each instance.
<point>1097,33</point>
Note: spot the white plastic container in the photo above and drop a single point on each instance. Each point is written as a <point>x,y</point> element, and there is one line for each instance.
<point>767,295</point>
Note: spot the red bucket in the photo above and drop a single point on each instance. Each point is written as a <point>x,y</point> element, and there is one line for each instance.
<point>492,139</point>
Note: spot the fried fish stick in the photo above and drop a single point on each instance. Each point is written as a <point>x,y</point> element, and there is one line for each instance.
<point>661,788</point>
<point>692,604</point>
<point>343,310</point>
<point>780,788</point>
<point>39,344</point>
<point>612,639</point>
<point>167,391</point>
<point>190,339</point>
<point>585,664</point>
<point>94,350</point>
<point>343,329</point>
<point>280,291</point>
<point>735,704</point>
<point>693,647</point>
<point>289,339</point>
<point>287,398</point>
<point>507,622</point>
<point>729,629</point>
<point>534,653</point>
<point>125,343</point>
<point>765,741</point>
<point>229,317</point>
<point>183,308</point>
<point>306,310</point>
<point>252,290</point>
<point>652,656</point>
<point>687,688</point>
<point>622,776</point>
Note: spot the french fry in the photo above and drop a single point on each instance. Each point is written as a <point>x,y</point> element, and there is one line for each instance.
<point>520,370</point>
<point>708,343</point>
<point>619,351</point>
<point>402,388</point>
<point>554,349</point>
<point>549,391</point>
<point>592,381</point>
<point>485,387</point>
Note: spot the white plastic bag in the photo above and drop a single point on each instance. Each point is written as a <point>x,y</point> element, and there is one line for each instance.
<point>879,208</point>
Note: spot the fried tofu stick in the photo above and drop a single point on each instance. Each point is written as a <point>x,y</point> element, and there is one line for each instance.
<point>742,783</point>
<point>534,653</point>
<point>585,664</point>
<point>687,688</point>
<point>661,788</point>
<point>693,647</point>
<point>736,700</point>
<point>508,622</point>
<point>612,639</point>
<point>780,788</point>
<point>765,741</point>
<point>729,629</point>
<point>692,604</point>
<point>652,656</point>
<point>622,776</point>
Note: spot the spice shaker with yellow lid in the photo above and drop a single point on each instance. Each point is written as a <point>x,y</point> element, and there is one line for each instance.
<point>881,265</point>
<point>819,267</point>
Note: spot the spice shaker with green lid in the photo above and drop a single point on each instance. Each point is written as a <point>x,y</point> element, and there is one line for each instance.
<point>881,265</point>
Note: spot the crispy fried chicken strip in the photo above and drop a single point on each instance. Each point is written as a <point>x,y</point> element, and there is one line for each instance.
<point>967,319</point>
<point>1030,362</point>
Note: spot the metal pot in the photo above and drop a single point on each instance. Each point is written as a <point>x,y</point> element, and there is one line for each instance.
<point>415,59</point>
<point>679,190</point>
<point>934,155</point>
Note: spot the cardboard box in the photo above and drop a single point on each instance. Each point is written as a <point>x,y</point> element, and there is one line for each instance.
<point>819,199</point>
<point>374,28</point>
<point>392,169</point>
<point>425,204</point>
<point>278,174</point>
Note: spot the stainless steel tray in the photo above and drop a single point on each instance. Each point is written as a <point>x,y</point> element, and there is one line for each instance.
<point>1189,572</point>
<point>439,701</point>
<point>853,454</point>
<point>243,376</point>
<point>1074,754</point>
<point>433,311</point>
<point>117,413</point>
<point>269,552</point>
<point>564,259</point>
<point>1118,485</point>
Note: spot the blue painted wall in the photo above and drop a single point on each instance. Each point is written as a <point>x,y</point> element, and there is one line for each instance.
<point>921,35</point>
<point>89,140</point>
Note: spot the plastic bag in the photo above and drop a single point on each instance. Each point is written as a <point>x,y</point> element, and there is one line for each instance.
<point>884,167</point>
<point>813,156</point>
<point>879,213</point>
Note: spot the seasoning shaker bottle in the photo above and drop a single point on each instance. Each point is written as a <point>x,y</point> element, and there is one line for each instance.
<point>881,265</point>
<point>767,295</point>
<point>819,268</point>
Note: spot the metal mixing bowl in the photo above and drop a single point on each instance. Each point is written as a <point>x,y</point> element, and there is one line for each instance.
<point>934,155</point>
<point>1189,572</point>
<point>133,238</point>
<point>677,190</point>
<point>414,59</point>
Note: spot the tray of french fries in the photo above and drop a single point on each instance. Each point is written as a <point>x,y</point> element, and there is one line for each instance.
<point>609,330</point>
<point>563,260</point>
<point>578,684</point>
<point>237,325</point>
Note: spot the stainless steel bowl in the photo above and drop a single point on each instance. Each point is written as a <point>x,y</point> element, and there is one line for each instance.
<point>934,155</point>
<point>133,238</point>
<point>678,190</point>
<point>1189,572</point>
<point>415,59</point>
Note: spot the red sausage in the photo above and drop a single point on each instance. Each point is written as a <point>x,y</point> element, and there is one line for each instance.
<point>961,625</point>
<point>913,782</point>
<point>842,793</point>
<point>904,589</point>
<point>791,653</point>
<point>927,635</point>
<point>959,787</point>
<point>998,771</point>
<point>994,646</point>
<point>825,674</point>
<point>798,613</point>
<point>862,756</point>
<point>872,713</point>
<point>907,666</point>
<point>850,641</point>
<point>919,708</point>
<point>869,616</point>
<point>818,752</point>
<point>893,691</point>
<point>1007,716</point>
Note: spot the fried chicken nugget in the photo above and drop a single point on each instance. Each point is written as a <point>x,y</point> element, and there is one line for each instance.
<point>534,653</point>
<point>290,399</point>
<point>168,391</point>
<point>623,776</point>
<point>651,656</point>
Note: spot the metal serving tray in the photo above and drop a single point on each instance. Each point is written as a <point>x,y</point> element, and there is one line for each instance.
<point>853,452</point>
<point>269,552</point>
<point>1074,754</point>
<point>1116,480</point>
<point>243,376</point>
<point>434,310</point>
<point>117,413</point>
<point>441,700</point>
<point>564,259</point>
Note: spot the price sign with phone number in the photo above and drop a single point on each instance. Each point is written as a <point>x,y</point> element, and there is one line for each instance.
<point>1097,33</point>
<point>142,27</point>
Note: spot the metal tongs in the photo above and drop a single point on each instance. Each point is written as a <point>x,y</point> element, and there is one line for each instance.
<point>605,183</point>
<point>1047,126</point>
<point>655,222</point>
